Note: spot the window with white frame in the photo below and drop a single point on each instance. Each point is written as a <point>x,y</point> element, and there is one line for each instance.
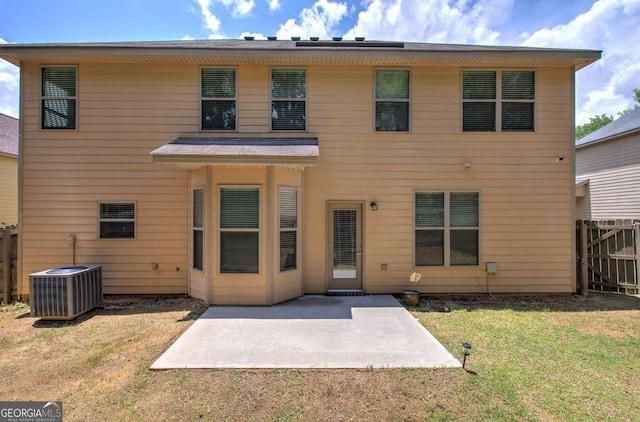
<point>218,98</point>
<point>58,97</point>
<point>197,227</point>
<point>392,100</point>
<point>498,100</point>
<point>447,226</point>
<point>117,220</point>
<point>288,99</point>
<point>239,229</point>
<point>288,198</point>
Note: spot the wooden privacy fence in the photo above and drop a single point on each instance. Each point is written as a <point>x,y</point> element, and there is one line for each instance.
<point>8,262</point>
<point>607,254</point>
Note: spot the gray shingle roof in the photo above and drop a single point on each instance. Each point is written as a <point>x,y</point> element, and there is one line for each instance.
<point>626,124</point>
<point>8,135</point>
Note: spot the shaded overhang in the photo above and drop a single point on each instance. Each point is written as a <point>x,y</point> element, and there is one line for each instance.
<point>192,153</point>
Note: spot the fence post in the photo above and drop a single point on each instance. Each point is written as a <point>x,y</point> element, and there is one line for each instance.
<point>584,262</point>
<point>6,263</point>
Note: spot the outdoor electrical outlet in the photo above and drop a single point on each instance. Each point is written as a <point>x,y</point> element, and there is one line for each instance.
<point>383,266</point>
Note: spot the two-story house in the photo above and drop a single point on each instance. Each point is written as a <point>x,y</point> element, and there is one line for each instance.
<point>255,171</point>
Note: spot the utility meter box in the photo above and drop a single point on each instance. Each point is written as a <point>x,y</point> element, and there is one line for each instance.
<point>491,267</point>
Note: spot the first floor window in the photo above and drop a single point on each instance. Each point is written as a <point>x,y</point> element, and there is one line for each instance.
<point>117,220</point>
<point>198,229</point>
<point>288,198</point>
<point>239,229</point>
<point>58,96</point>
<point>447,226</point>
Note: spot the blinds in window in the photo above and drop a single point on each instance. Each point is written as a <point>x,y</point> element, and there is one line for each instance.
<point>288,224</point>
<point>117,211</point>
<point>198,225</point>
<point>429,209</point>
<point>344,239</point>
<point>392,100</point>
<point>239,229</point>
<point>239,208</point>
<point>518,86</point>
<point>58,97</point>
<point>198,208</point>
<point>288,93</point>
<point>117,220</point>
<point>464,209</point>
<point>218,91</point>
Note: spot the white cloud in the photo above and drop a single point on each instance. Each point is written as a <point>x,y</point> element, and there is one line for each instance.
<point>438,21</point>
<point>319,20</point>
<point>238,8</point>
<point>274,4</point>
<point>9,87</point>
<point>606,86</point>
<point>211,22</point>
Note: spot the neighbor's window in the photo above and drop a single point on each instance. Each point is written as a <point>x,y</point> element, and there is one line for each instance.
<point>117,220</point>
<point>447,228</point>
<point>58,97</point>
<point>392,100</point>
<point>218,97</point>
<point>288,228</point>
<point>288,99</point>
<point>239,229</point>
<point>498,100</point>
<point>198,229</point>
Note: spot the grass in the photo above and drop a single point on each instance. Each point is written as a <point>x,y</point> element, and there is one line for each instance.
<point>542,358</point>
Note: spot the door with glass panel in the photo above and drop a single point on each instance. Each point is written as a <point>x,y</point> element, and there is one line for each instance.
<point>345,246</point>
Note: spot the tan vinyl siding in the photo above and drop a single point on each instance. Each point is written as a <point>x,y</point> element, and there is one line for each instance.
<point>66,174</point>
<point>526,196</point>
<point>9,195</point>
<point>127,110</point>
<point>613,171</point>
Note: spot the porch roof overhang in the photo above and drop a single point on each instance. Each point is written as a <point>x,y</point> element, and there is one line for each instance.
<point>191,153</point>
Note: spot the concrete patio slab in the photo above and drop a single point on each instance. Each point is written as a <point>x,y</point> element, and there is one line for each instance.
<point>308,332</point>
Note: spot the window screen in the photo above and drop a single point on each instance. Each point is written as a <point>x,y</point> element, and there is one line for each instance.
<point>58,94</point>
<point>117,220</point>
<point>218,93</point>
<point>288,99</point>
<point>239,229</point>
<point>392,100</point>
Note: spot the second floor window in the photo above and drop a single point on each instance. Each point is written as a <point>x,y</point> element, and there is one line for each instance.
<point>498,101</point>
<point>392,100</point>
<point>288,99</point>
<point>58,95</point>
<point>218,96</point>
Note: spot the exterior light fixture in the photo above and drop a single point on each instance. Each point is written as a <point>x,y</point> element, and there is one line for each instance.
<point>374,206</point>
<point>466,351</point>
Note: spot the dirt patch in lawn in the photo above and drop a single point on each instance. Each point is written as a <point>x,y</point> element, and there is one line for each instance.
<point>98,367</point>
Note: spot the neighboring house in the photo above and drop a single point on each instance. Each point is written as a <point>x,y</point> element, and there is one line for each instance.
<point>252,172</point>
<point>608,171</point>
<point>8,170</point>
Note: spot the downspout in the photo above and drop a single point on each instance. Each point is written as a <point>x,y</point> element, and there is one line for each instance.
<point>20,179</point>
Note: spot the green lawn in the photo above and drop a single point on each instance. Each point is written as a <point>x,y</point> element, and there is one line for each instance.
<point>533,359</point>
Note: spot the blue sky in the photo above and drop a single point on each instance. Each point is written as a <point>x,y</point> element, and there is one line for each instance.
<point>608,25</point>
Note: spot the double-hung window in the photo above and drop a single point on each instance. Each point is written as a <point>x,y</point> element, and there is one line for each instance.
<point>392,100</point>
<point>117,220</point>
<point>239,229</point>
<point>197,227</point>
<point>218,98</point>
<point>288,99</point>
<point>288,228</point>
<point>58,97</point>
<point>498,100</point>
<point>447,226</point>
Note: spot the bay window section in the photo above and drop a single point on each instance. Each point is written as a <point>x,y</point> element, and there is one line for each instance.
<point>239,229</point>
<point>288,198</point>
<point>198,229</point>
<point>447,228</point>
